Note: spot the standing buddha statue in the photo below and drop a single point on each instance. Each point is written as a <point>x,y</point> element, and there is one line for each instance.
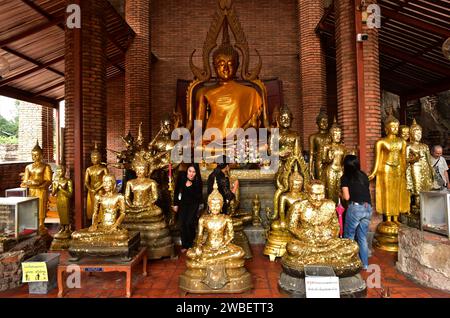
<point>317,143</point>
<point>404,133</point>
<point>390,171</point>
<point>214,264</point>
<point>62,187</point>
<point>93,180</point>
<point>37,178</point>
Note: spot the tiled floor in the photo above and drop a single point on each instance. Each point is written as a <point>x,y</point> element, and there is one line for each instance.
<point>162,281</point>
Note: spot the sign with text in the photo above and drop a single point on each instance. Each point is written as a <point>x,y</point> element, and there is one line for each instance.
<point>34,272</point>
<point>322,287</point>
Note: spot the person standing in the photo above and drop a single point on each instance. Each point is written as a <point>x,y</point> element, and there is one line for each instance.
<point>355,190</point>
<point>187,199</point>
<point>440,167</point>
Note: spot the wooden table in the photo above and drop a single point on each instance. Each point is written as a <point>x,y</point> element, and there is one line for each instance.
<point>100,265</point>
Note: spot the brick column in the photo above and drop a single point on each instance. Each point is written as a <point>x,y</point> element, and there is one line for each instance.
<point>312,67</point>
<point>93,88</point>
<point>346,71</point>
<point>137,69</point>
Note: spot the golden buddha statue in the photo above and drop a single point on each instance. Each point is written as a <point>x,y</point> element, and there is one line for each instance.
<point>317,143</point>
<point>256,210</point>
<point>279,234</point>
<point>390,171</point>
<point>106,236</point>
<point>37,178</point>
<point>214,264</point>
<point>404,133</point>
<point>334,154</point>
<point>315,239</point>
<point>62,187</point>
<point>93,180</point>
<point>144,216</point>
<point>287,137</point>
<point>420,173</point>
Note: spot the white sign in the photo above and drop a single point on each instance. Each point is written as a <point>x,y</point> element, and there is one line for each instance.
<point>322,287</point>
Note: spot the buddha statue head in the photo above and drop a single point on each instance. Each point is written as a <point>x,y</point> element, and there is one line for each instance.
<point>140,166</point>
<point>322,120</point>
<point>296,181</point>
<point>60,171</point>
<point>215,200</point>
<point>109,183</point>
<point>225,58</point>
<point>96,156</point>
<point>36,152</point>
<point>316,193</point>
<point>416,131</point>
<point>285,117</point>
<point>391,125</point>
<point>335,132</point>
<point>404,132</point>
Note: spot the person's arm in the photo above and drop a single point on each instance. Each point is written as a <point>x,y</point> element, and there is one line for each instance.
<point>345,193</point>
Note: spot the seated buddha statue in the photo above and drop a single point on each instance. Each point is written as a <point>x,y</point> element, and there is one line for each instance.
<point>143,215</point>
<point>315,239</point>
<point>214,264</point>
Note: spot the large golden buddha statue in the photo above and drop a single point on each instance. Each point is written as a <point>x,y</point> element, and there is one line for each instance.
<point>227,103</point>
<point>37,178</point>
<point>144,216</point>
<point>317,143</point>
<point>314,227</point>
<point>106,236</point>
<point>390,173</point>
<point>214,264</point>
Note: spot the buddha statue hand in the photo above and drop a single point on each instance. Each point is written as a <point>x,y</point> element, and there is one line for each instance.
<point>92,228</point>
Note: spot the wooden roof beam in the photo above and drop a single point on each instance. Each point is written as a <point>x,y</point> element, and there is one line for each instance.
<point>16,93</point>
<point>429,89</point>
<point>48,89</point>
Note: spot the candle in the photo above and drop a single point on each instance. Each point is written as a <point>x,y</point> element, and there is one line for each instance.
<point>170,170</point>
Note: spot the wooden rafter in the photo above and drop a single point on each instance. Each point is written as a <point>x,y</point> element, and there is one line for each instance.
<point>48,89</point>
<point>429,89</point>
<point>16,93</point>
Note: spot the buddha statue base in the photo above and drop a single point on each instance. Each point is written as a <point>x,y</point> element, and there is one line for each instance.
<point>155,234</point>
<point>386,236</point>
<point>61,240</point>
<point>276,244</point>
<point>241,239</point>
<point>411,219</point>
<point>124,250</point>
<point>217,280</point>
<point>349,287</point>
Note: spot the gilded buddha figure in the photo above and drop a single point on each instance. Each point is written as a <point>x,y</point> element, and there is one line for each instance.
<point>334,154</point>
<point>62,187</point>
<point>93,180</point>
<point>390,173</point>
<point>37,178</point>
<point>404,133</point>
<point>420,172</point>
<point>143,215</point>
<point>317,143</point>
<point>287,136</point>
<point>214,264</point>
<point>314,227</point>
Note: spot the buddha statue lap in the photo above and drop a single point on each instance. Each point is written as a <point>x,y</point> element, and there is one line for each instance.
<point>106,236</point>
<point>214,264</point>
<point>315,240</point>
<point>144,216</point>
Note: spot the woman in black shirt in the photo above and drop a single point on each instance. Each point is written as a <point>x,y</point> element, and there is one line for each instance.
<point>355,189</point>
<point>187,199</point>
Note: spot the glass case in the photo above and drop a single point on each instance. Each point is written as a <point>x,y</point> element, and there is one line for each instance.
<point>18,217</point>
<point>435,212</point>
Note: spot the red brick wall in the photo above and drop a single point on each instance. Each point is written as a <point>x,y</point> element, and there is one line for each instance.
<point>115,119</point>
<point>9,176</point>
<point>312,66</point>
<point>180,26</point>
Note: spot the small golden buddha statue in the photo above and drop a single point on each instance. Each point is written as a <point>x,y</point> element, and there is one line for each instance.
<point>420,173</point>
<point>37,178</point>
<point>279,235</point>
<point>315,239</point>
<point>256,210</point>
<point>214,264</point>
<point>62,187</point>
<point>144,216</point>
<point>317,143</point>
<point>106,236</point>
<point>404,133</point>
<point>287,137</point>
<point>390,171</point>
<point>93,180</point>
<point>334,154</point>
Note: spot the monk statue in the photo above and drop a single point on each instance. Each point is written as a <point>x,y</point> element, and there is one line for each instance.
<point>314,227</point>
<point>420,173</point>
<point>390,171</point>
<point>62,187</point>
<point>317,143</point>
<point>334,154</point>
<point>143,215</point>
<point>404,133</point>
<point>93,180</point>
<point>214,264</point>
<point>37,178</point>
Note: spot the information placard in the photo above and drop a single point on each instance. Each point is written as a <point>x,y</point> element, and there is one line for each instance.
<point>322,287</point>
<point>34,272</point>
